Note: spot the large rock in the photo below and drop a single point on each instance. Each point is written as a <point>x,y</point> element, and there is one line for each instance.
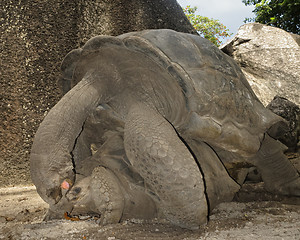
<point>35,35</point>
<point>270,59</point>
<point>291,113</point>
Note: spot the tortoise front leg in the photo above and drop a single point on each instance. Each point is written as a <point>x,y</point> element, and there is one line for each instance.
<point>169,169</point>
<point>278,173</point>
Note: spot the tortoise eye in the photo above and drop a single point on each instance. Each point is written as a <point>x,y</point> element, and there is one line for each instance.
<point>77,190</point>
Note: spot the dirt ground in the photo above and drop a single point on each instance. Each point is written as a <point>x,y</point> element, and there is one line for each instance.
<point>254,214</point>
<point>268,217</point>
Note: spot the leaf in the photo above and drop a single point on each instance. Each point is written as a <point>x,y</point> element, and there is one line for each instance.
<point>209,28</point>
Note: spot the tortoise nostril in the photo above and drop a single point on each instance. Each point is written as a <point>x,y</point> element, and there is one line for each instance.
<point>54,193</point>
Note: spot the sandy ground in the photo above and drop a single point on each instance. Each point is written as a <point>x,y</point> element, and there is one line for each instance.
<point>268,217</point>
<point>254,214</point>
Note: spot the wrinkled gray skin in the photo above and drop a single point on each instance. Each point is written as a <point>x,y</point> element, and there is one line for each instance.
<point>146,129</point>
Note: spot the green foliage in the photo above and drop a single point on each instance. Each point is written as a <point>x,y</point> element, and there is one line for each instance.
<point>284,14</point>
<point>209,28</point>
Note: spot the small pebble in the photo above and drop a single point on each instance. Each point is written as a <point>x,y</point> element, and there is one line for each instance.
<point>2,219</point>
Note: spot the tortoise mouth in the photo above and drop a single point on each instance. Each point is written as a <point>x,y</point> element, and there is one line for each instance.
<point>81,215</point>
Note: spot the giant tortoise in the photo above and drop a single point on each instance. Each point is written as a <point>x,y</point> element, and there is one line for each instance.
<point>145,130</point>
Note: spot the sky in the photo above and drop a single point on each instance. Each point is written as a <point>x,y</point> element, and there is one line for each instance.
<point>231,13</point>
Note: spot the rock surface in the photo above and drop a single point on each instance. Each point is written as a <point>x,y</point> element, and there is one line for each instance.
<point>270,59</point>
<point>35,36</point>
<point>290,112</point>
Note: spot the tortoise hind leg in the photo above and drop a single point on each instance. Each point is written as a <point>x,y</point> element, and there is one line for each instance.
<point>169,169</point>
<point>278,173</point>
<point>220,187</point>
